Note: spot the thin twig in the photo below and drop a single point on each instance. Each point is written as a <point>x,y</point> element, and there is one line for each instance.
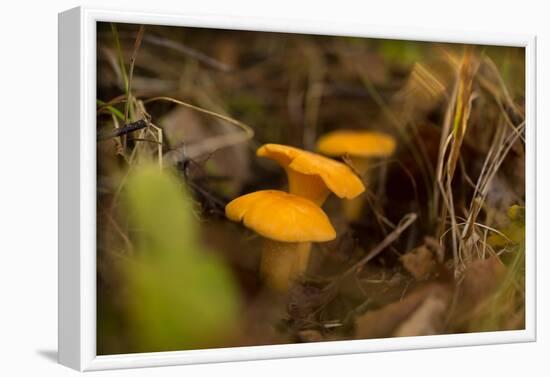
<point>128,128</point>
<point>405,222</point>
<point>208,145</point>
<point>195,54</point>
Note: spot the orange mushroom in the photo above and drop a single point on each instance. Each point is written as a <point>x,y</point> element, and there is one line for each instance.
<point>313,176</point>
<point>289,224</point>
<point>360,147</point>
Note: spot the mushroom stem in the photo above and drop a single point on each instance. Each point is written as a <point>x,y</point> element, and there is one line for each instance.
<point>307,186</point>
<point>283,263</point>
<point>352,207</point>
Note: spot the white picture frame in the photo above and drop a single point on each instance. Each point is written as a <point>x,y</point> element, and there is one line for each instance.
<point>77,196</point>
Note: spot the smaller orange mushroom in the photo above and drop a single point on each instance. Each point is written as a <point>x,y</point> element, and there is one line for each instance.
<point>289,224</point>
<point>360,147</point>
<point>313,176</point>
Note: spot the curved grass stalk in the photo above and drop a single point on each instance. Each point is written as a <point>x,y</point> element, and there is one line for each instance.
<point>214,143</point>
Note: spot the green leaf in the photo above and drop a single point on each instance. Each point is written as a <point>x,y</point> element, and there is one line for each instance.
<point>180,296</point>
<point>113,110</point>
<point>161,212</point>
<point>181,306</point>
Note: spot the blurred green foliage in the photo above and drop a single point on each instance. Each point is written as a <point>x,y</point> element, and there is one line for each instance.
<point>179,295</point>
<point>513,233</point>
<point>505,306</point>
<point>404,53</point>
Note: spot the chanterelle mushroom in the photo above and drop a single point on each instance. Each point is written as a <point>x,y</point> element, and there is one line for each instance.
<point>313,176</point>
<point>289,224</point>
<point>360,147</point>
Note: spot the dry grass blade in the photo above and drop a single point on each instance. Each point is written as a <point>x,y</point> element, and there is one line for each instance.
<point>462,109</point>
<point>443,145</point>
<point>417,149</point>
<point>492,164</point>
<point>120,59</point>
<point>211,144</point>
<point>183,49</point>
<point>137,44</point>
<point>405,222</point>
<point>502,94</point>
<point>427,80</point>
<point>465,238</point>
<point>448,161</point>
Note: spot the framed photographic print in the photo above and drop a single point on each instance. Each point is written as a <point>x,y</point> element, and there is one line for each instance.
<point>238,189</point>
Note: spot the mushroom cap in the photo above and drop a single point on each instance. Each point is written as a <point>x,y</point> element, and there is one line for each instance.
<point>338,177</point>
<point>356,144</point>
<point>281,216</point>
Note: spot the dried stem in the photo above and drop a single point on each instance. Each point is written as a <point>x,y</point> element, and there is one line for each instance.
<point>213,143</point>
<point>405,222</point>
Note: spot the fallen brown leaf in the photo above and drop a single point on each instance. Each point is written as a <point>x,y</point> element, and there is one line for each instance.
<point>308,336</point>
<point>428,318</point>
<point>398,318</point>
<point>481,279</point>
<point>419,262</point>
